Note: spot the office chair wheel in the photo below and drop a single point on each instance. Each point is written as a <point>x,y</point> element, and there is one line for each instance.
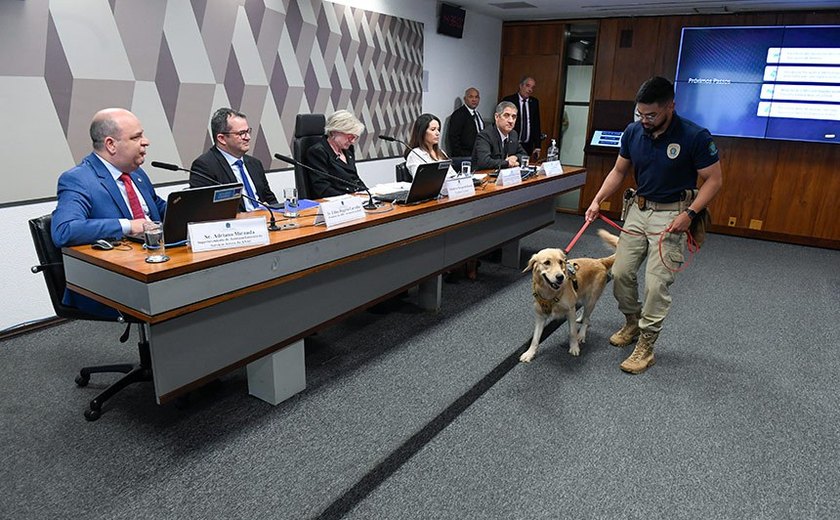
<point>92,415</point>
<point>82,381</point>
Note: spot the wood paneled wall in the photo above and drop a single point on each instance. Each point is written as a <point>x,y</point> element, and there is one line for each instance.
<point>536,50</point>
<point>789,190</point>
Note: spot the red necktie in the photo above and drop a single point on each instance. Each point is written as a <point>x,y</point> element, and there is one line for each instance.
<point>133,200</point>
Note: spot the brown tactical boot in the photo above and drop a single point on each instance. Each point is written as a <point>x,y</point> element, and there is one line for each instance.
<point>642,357</point>
<point>628,333</point>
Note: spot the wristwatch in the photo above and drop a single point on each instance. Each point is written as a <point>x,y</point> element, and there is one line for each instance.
<point>691,213</point>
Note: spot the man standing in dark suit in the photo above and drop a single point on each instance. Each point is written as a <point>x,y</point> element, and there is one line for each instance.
<point>498,146</point>
<point>226,161</point>
<point>528,123</point>
<point>107,195</point>
<point>464,124</point>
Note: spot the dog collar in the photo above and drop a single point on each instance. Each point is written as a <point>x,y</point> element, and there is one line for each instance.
<point>545,304</point>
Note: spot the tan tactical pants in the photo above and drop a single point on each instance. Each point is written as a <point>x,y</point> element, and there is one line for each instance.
<point>630,253</point>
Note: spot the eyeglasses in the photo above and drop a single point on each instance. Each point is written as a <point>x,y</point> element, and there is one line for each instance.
<point>647,117</point>
<point>240,133</point>
<point>352,138</point>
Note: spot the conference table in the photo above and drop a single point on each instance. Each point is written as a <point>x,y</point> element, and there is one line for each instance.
<point>208,313</point>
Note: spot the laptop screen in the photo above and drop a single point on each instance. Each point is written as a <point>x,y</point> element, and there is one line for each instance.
<point>197,205</point>
<point>428,181</point>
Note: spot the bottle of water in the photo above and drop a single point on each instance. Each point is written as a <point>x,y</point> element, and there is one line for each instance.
<point>553,153</point>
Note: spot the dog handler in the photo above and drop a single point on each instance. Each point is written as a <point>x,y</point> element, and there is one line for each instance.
<point>667,154</point>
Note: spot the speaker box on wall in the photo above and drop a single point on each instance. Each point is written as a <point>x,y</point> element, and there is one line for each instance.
<point>451,20</point>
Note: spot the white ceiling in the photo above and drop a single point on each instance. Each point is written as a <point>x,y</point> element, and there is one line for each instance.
<point>572,9</point>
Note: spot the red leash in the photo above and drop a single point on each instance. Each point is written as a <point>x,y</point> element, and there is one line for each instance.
<point>579,233</point>
<point>692,245</point>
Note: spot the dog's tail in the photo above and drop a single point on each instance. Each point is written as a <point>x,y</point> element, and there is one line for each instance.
<point>608,238</point>
<point>612,241</point>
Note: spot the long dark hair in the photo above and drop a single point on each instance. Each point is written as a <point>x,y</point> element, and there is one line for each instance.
<point>418,134</point>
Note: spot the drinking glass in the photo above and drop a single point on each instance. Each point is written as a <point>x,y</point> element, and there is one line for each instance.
<point>466,168</point>
<point>290,206</point>
<point>523,162</point>
<point>154,242</point>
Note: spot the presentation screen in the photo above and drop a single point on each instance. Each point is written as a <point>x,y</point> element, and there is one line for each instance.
<point>780,82</point>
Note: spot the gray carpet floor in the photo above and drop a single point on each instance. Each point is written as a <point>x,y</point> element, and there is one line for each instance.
<point>417,415</point>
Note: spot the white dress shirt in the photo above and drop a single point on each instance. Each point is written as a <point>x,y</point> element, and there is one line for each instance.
<point>115,173</point>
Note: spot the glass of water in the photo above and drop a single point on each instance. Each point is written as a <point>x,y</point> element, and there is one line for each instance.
<point>466,168</point>
<point>290,205</point>
<point>154,242</point>
<point>523,163</point>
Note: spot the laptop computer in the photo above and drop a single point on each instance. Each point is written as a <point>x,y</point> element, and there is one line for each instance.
<point>427,183</point>
<point>202,204</point>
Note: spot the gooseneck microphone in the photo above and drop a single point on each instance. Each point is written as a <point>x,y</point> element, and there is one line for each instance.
<point>410,149</point>
<point>272,224</point>
<point>369,205</point>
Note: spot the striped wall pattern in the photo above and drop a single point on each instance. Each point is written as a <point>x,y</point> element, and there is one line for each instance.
<point>173,62</point>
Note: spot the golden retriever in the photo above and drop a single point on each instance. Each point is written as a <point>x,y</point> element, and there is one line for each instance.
<point>560,284</point>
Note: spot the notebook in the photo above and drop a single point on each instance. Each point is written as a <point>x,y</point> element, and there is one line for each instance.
<point>427,183</point>
<point>203,204</point>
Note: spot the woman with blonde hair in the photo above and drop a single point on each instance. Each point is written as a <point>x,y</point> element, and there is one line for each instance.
<point>335,155</point>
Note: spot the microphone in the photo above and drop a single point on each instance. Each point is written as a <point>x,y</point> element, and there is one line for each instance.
<point>395,140</point>
<point>272,225</point>
<point>369,205</point>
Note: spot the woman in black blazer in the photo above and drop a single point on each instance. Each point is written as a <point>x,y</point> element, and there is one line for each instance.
<point>334,156</point>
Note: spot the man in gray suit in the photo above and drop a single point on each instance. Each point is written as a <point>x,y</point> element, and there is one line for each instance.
<point>498,146</point>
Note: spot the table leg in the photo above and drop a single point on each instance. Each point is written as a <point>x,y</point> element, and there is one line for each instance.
<point>428,294</point>
<point>510,254</point>
<point>278,376</point>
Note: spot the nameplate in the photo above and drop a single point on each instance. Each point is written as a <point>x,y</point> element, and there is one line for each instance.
<point>460,188</point>
<point>509,177</point>
<point>340,210</point>
<point>227,234</point>
<point>552,168</point>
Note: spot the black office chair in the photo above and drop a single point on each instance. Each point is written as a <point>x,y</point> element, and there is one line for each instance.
<point>309,129</point>
<point>402,173</point>
<point>52,265</point>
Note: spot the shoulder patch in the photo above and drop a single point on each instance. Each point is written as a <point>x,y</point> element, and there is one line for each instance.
<point>713,151</point>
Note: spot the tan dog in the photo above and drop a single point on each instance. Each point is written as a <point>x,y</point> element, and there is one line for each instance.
<point>560,284</point>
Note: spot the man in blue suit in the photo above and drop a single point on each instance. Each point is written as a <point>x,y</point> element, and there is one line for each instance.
<point>107,195</point>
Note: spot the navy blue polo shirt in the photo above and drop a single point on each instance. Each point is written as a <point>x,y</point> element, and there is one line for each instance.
<point>666,166</point>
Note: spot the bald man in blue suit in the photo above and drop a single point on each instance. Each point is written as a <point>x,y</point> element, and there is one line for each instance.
<point>107,195</point>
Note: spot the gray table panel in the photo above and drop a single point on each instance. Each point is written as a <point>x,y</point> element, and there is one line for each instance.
<point>192,346</point>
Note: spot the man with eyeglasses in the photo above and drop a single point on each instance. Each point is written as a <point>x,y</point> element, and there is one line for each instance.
<point>226,161</point>
<point>666,153</point>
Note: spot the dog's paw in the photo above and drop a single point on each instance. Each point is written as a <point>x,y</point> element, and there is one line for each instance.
<point>527,356</point>
<point>582,337</point>
<point>574,350</point>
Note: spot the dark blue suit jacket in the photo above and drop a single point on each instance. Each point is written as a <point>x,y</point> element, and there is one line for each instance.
<point>89,208</point>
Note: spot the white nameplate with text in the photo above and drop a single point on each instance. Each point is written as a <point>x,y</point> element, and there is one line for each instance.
<point>340,210</point>
<point>509,177</point>
<point>460,188</point>
<point>552,168</point>
<point>227,234</point>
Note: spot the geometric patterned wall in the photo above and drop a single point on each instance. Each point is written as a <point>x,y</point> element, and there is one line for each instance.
<point>173,62</point>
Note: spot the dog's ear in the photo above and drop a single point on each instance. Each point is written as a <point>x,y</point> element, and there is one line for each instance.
<point>531,263</point>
